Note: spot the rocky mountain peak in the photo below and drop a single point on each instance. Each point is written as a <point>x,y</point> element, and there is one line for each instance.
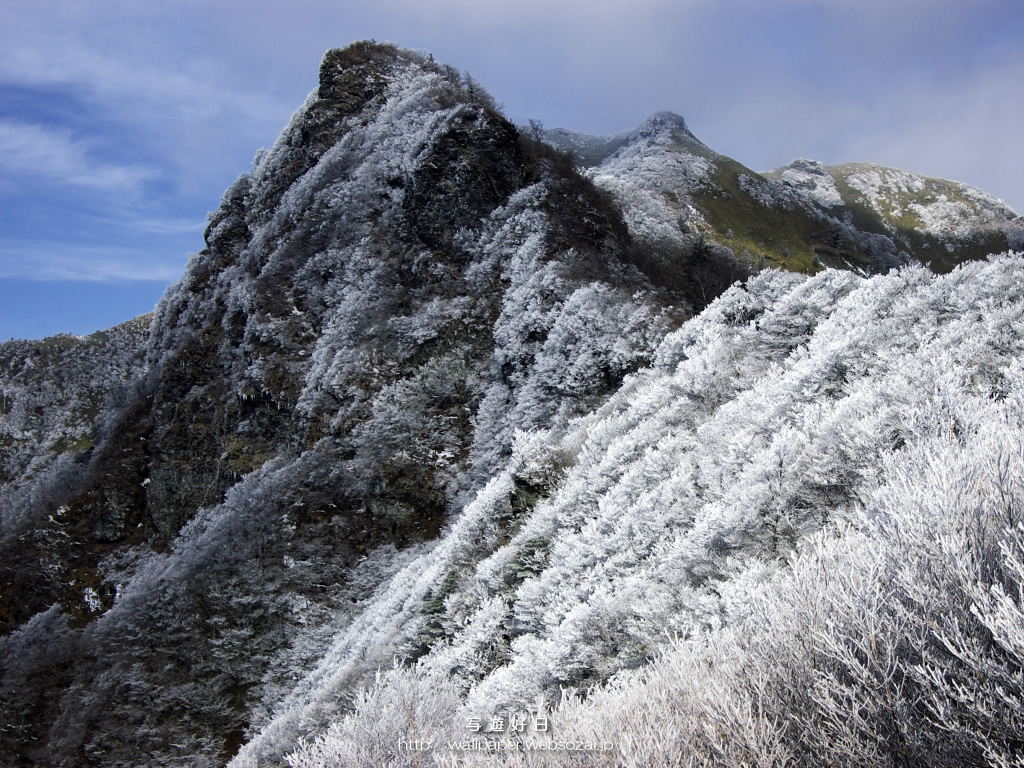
<point>661,124</point>
<point>590,150</point>
<point>803,165</point>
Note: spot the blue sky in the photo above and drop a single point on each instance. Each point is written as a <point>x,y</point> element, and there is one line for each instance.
<point>122,122</point>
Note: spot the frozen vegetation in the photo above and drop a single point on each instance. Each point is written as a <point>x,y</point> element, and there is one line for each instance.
<point>811,505</point>
<point>450,447</point>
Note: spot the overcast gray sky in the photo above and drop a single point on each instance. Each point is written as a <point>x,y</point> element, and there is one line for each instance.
<point>121,123</point>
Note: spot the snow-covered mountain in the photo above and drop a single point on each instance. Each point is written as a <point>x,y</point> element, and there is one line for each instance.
<point>445,423</point>
<point>801,217</point>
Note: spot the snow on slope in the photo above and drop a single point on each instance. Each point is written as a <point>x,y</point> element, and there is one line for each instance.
<point>811,177</point>
<point>660,155</point>
<point>942,208</point>
<point>778,412</point>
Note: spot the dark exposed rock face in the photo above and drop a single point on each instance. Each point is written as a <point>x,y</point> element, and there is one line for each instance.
<point>207,387</point>
<point>471,170</point>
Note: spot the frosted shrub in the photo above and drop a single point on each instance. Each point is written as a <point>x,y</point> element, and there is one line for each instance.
<point>397,722</point>
<point>815,491</point>
<point>901,644</point>
<point>934,656</point>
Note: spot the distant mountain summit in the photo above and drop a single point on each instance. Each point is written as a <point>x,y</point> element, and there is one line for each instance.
<point>908,203</point>
<point>499,410</point>
<point>803,216</point>
<point>590,150</point>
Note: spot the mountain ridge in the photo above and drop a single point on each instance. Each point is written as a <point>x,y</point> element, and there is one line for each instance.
<point>435,396</point>
<point>836,216</point>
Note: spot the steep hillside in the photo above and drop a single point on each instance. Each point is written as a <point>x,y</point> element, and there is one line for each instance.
<point>58,398</point>
<point>811,503</point>
<point>46,409</point>
<point>939,222</point>
<point>434,396</point>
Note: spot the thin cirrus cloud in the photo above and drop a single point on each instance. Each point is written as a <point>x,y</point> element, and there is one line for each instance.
<point>43,153</point>
<point>57,261</point>
<point>130,85</point>
<point>155,77</point>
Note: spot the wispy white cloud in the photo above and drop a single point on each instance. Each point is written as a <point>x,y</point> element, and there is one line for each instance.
<point>128,55</point>
<point>63,261</point>
<point>53,154</point>
<point>186,97</point>
<point>169,226</point>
